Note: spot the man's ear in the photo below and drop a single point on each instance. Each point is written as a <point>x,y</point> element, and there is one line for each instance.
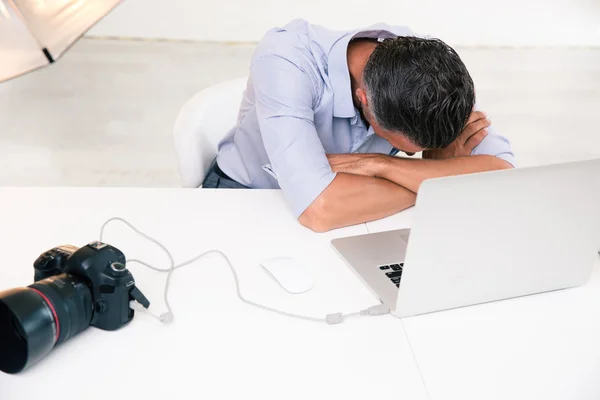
<point>361,94</point>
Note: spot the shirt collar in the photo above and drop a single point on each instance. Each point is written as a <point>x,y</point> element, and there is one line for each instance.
<point>343,106</point>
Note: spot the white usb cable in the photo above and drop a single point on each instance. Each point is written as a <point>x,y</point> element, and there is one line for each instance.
<point>168,317</point>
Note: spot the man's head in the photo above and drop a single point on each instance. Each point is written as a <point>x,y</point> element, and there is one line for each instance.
<point>416,93</point>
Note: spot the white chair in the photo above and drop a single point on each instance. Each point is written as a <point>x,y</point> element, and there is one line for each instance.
<point>201,124</point>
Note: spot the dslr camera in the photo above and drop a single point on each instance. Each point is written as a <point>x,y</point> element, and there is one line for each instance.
<point>74,288</point>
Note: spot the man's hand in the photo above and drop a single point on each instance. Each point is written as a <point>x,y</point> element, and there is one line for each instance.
<point>470,137</point>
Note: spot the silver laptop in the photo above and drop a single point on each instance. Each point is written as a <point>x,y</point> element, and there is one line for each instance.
<point>485,237</point>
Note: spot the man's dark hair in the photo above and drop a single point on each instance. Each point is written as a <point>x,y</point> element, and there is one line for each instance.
<point>420,88</point>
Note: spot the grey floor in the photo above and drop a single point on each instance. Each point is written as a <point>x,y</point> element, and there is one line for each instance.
<point>102,115</point>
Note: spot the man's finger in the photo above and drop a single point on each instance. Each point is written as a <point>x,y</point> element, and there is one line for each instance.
<point>475,116</point>
<point>475,140</point>
<point>475,127</point>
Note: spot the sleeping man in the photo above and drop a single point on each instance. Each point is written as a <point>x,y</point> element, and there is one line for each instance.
<point>326,116</point>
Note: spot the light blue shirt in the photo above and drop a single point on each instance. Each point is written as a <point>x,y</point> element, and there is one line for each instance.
<point>298,107</point>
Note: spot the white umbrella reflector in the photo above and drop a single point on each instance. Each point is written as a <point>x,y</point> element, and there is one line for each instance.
<point>35,33</point>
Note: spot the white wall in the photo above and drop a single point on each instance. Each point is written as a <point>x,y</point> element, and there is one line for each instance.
<point>459,22</point>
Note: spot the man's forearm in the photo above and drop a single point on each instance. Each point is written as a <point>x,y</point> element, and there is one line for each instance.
<point>410,173</point>
<point>353,199</point>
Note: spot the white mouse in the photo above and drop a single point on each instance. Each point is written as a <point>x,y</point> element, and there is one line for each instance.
<point>291,276</point>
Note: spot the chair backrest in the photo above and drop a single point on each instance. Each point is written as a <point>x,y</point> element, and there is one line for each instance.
<point>201,124</point>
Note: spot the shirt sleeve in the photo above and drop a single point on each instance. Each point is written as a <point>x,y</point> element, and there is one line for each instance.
<point>285,96</point>
<point>497,145</point>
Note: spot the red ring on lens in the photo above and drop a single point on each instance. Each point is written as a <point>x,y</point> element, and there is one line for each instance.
<point>51,306</point>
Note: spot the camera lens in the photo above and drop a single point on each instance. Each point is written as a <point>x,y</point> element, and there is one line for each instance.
<point>26,329</point>
<point>35,319</point>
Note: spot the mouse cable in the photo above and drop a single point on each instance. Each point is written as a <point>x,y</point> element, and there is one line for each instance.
<point>331,319</point>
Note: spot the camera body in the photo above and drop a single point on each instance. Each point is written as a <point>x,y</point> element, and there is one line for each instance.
<point>102,268</point>
<point>74,288</point>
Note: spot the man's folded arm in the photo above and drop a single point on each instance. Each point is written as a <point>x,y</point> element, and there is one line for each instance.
<point>285,96</point>
<point>410,173</point>
<point>354,199</point>
<point>492,153</point>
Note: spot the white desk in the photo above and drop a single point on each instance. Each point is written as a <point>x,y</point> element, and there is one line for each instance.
<point>217,347</point>
<point>544,347</point>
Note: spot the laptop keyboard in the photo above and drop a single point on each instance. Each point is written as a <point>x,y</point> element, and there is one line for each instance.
<point>393,272</point>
